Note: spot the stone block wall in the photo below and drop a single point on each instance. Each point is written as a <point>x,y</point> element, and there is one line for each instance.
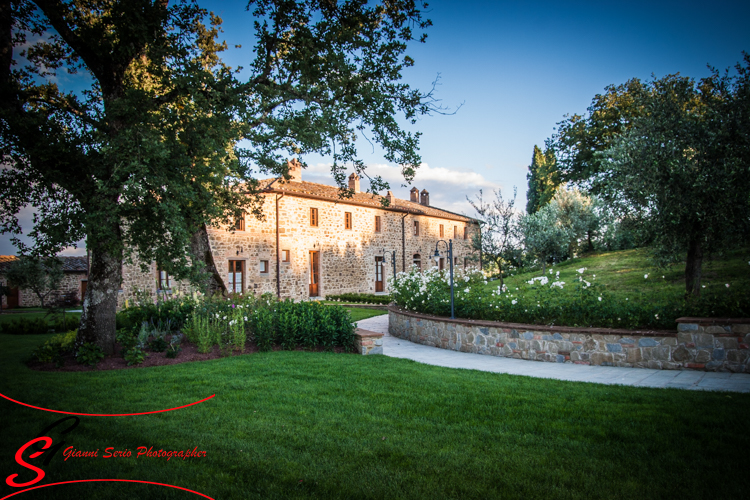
<point>347,256</point>
<point>367,342</point>
<point>71,282</point>
<point>699,343</point>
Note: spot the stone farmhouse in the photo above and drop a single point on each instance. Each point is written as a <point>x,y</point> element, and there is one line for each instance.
<point>72,287</point>
<point>313,244</point>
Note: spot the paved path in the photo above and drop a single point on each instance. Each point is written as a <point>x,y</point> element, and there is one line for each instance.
<point>640,377</point>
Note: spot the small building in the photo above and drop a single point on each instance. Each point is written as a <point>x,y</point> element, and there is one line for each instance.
<point>313,243</point>
<point>72,287</point>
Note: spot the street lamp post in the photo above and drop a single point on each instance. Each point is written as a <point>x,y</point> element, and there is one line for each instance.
<point>450,260</point>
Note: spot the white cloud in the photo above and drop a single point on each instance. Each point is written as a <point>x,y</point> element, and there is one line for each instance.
<point>448,188</point>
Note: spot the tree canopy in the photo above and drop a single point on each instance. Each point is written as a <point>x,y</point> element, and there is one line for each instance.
<point>145,155</point>
<point>674,154</point>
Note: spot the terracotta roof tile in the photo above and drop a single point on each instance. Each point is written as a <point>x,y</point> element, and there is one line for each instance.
<point>331,193</point>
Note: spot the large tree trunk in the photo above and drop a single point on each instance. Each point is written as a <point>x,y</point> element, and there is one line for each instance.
<point>100,303</point>
<point>200,250</point>
<point>693,267</point>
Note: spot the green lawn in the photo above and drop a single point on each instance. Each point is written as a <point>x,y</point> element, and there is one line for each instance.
<point>622,273</point>
<point>293,424</point>
<point>358,313</point>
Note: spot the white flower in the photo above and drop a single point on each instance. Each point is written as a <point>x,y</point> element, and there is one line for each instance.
<point>514,302</point>
<point>656,316</point>
<point>224,317</point>
<point>600,299</point>
<point>245,318</point>
<point>467,290</point>
<point>594,275</point>
<point>550,271</point>
<point>704,286</point>
<point>727,285</point>
<point>645,276</point>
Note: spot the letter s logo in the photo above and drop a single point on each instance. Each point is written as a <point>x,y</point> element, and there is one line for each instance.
<point>21,462</point>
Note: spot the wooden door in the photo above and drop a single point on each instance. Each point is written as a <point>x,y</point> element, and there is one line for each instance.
<point>378,274</point>
<point>12,299</point>
<point>84,285</point>
<point>314,273</point>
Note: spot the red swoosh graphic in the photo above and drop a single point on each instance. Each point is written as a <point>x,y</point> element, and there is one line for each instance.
<point>106,415</point>
<point>101,480</point>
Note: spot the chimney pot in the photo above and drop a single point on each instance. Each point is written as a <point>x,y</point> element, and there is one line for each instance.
<point>354,182</point>
<point>391,199</point>
<point>295,170</point>
<point>425,198</point>
<point>414,195</point>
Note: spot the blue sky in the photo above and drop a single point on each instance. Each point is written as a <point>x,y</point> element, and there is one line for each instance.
<point>518,68</point>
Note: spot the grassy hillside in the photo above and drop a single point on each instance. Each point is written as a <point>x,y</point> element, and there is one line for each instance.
<point>622,273</point>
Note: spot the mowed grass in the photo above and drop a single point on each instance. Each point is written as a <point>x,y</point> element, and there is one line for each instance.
<point>358,313</point>
<point>323,425</point>
<point>622,273</point>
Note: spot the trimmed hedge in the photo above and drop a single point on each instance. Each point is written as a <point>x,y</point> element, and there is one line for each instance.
<point>36,326</point>
<point>361,298</point>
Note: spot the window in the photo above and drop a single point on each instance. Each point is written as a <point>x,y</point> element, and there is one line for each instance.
<point>455,261</point>
<point>264,267</point>
<point>416,228</point>
<point>314,217</point>
<point>236,281</point>
<point>442,263</point>
<point>466,262</point>
<point>285,256</point>
<point>377,223</point>
<point>347,220</point>
<point>240,224</point>
<point>417,261</point>
<point>165,280</point>
<point>442,231</point>
<point>455,232</point>
<point>466,232</point>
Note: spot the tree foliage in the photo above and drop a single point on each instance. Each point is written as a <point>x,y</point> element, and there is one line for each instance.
<point>543,179</point>
<point>498,238</point>
<point>141,154</point>
<point>41,276</point>
<point>674,155</point>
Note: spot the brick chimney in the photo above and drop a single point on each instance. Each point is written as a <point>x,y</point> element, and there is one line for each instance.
<point>354,182</point>
<point>424,198</point>
<point>391,199</point>
<point>295,170</point>
<point>414,195</point>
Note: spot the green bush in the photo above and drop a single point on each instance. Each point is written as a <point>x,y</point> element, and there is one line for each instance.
<point>361,298</point>
<point>134,356</point>
<point>89,354</point>
<point>540,302</point>
<point>55,348</point>
<point>34,326</point>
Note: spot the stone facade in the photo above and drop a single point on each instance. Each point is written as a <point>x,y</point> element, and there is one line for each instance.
<point>347,238</point>
<point>699,343</point>
<point>72,286</point>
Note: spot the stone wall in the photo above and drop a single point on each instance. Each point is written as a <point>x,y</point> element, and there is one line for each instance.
<point>699,343</point>
<point>347,256</point>
<point>71,282</point>
<point>367,342</point>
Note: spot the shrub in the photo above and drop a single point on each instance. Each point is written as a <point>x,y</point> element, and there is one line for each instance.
<point>89,354</point>
<point>54,349</point>
<point>34,326</point>
<point>542,302</point>
<point>361,298</point>
<point>134,356</point>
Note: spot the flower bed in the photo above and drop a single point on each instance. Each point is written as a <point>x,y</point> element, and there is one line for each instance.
<point>548,301</point>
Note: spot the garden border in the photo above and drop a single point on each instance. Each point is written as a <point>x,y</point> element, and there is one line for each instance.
<point>709,344</point>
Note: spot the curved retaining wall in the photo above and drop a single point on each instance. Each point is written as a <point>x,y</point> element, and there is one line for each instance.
<point>711,344</point>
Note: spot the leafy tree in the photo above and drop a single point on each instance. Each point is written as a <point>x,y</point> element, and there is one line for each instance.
<point>142,159</point>
<point>41,276</point>
<point>544,236</point>
<point>577,213</point>
<point>580,137</point>
<point>684,164</point>
<point>498,236</point>
<point>543,179</point>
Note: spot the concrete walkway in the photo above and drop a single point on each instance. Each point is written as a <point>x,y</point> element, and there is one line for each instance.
<point>639,377</point>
